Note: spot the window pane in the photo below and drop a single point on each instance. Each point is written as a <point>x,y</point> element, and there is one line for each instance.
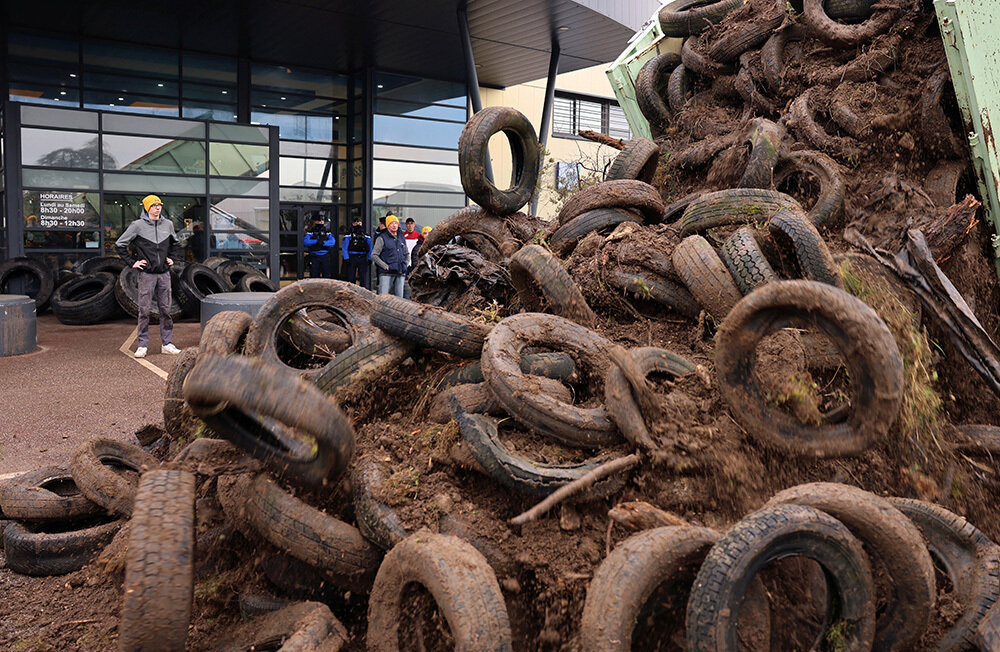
<point>562,115</point>
<point>238,214</point>
<point>412,197</point>
<point>298,127</point>
<point>60,210</point>
<point>154,154</point>
<point>61,76</point>
<point>60,179</point>
<point>617,123</point>
<point>32,93</point>
<point>155,184</point>
<point>312,172</point>
<point>125,84</point>
<point>278,101</point>
<point>401,176</point>
<point>235,160</point>
<point>131,58</point>
<point>282,78</point>
<point>312,195</point>
<point>238,187</point>
<point>208,68</point>
<point>61,240</point>
<point>415,89</point>
<point>207,111</point>
<point>589,116</point>
<point>55,148</point>
<point>422,216</point>
<point>412,110</point>
<point>312,150</point>
<point>129,103</point>
<point>42,48</point>
<point>406,131</point>
<point>122,210</point>
<point>400,152</point>
<point>216,93</point>
<point>45,117</point>
<point>153,126</point>
<point>238,134</point>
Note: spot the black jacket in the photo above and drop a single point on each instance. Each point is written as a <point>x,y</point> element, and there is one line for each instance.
<point>154,242</point>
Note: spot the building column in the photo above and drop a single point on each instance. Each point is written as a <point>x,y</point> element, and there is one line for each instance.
<point>550,92</point>
<point>471,77</point>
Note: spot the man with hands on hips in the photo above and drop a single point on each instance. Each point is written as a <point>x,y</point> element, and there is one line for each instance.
<point>156,247</point>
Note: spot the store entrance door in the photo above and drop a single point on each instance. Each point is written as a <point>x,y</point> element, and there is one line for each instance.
<point>296,221</point>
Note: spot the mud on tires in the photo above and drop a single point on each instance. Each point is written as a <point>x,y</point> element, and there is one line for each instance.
<point>473,152</point>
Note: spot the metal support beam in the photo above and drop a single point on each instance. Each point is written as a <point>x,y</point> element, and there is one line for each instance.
<point>471,78</point>
<point>12,179</point>
<point>550,93</point>
<point>274,206</point>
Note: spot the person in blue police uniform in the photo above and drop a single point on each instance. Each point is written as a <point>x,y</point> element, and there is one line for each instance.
<point>319,242</point>
<point>357,252</point>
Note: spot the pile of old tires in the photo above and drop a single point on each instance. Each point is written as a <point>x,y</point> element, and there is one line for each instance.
<point>103,288</point>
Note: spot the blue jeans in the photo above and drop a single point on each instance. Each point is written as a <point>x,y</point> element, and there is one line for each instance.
<point>391,284</point>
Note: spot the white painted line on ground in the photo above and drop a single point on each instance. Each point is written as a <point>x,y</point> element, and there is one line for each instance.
<point>145,363</point>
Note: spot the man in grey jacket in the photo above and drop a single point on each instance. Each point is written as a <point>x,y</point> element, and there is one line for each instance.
<point>156,247</point>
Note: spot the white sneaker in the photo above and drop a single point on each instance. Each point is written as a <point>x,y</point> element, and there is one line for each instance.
<point>140,352</point>
<point>169,349</point>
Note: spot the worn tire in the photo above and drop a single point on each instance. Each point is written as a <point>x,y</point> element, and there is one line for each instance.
<point>689,17</point>
<point>362,363</point>
<point>31,496</point>
<point>705,275</point>
<point>56,548</point>
<point>825,28</point>
<point>159,564</point>
<point>767,535</point>
<point>88,299</point>
<point>627,578</point>
<point>554,365</point>
<point>234,271</point>
<point>351,305</point>
<point>225,333</point>
<point>651,92</point>
<point>637,161</point>
<point>127,294</point>
<point>889,537</point>
<point>111,264</point>
<point>213,262</point>
<point>734,206</point>
<point>829,205</point>
<point>542,281</point>
<point>256,283</point>
<point>300,627</point>
<point>178,419</point>
<point>649,285</point>
<point>377,522</point>
<point>618,193</point>
<point>520,473</point>
<point>750,35</point>
<point>935,128</point>
<point>27,268</point>
<point>501,363</point>
<point>599,220</point>
<point>873,362</point>
<point>264,409</point>
<point>803,121</point>
<point>765,142</point>
<point>473,150</point>
<point>429,326</point>
<point>678,88</point>
<point>305,532</point>
<point>792,231</point>
<point>745,261</point>
<point>620,401</point>
<point>471,220</point>
<point>98,482</point>
<point>459,579</point>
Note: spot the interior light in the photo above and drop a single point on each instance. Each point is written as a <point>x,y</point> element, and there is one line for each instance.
<point>284,98</point>
<point>62,92</point>
<point>72,74</point>
<point>112,104</point>
<point>57,99</point>
<point>225,92</point>
<point>563,28</point>
<point>380,85</point>
<point>160,85</point>
<point>121,99</point>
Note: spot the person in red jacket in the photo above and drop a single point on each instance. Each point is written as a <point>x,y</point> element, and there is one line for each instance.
<point>414,239</point>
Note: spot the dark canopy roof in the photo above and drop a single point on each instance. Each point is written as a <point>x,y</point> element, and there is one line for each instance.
<point>511,38</point>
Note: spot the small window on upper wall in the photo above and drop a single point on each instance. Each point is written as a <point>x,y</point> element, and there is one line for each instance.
<point>572,114</point>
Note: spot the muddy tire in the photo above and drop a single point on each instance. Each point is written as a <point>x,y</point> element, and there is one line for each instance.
<point>626,579</point>
<point>32,497</point>
<point>351,305</point>
<point>767,535</point>
<point>803,121</point>
<point>159,564</point>
<point>618,193</point>
<point>829,205</point>
<point>377,522</point>
<point>460,581</point>
<point>678,88</point>
<point>299,627</point>
<point>935,127</point>
<point>178,419</point>
<point>735,206</point>
<point>793,232</point>
<point>765,141</point>
<point>214,262</point>
<point>651,93</point>
<point>825,28</point>
<point>746,262</point>
<point>520,473</point>
<point>600,220</point>
<point>85,300</point>
<point>889,537</point>
<point>99,482</point>
<point>554,365</point>
<point>429,326</point>
<point>256,283</point>
<point>637,161</point>
<point>306,533</point>
<point>127,294</point>
<point>197,282</point>
<point>32,273</point>
<point>689,17</point>
<point>654,287</point>
<point>748,36</point>
<point>697,62</point>
<point>56,548</point>
<point>264,409</point>
<point>542,281</point>
<point>363,363</point>
<point>706,276</point>
<point>870,352</point>
<point>573,426</point>
<point>620,401</point>
<point>225,333</point>
<point>469,220</point>
<point>473,152</point>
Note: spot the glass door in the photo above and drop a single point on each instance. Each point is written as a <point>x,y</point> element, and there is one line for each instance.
<point>296,221</point>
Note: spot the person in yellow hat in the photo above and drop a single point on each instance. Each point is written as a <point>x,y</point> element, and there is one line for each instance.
<point>155,248</point>
<point>390,255</point>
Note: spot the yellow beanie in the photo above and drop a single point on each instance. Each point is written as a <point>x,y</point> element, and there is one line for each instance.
<point>149,200</point>
<point>389,219</point>
<point>425,230</point>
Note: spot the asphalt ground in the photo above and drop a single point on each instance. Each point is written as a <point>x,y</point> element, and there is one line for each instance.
<point>79,384</point>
